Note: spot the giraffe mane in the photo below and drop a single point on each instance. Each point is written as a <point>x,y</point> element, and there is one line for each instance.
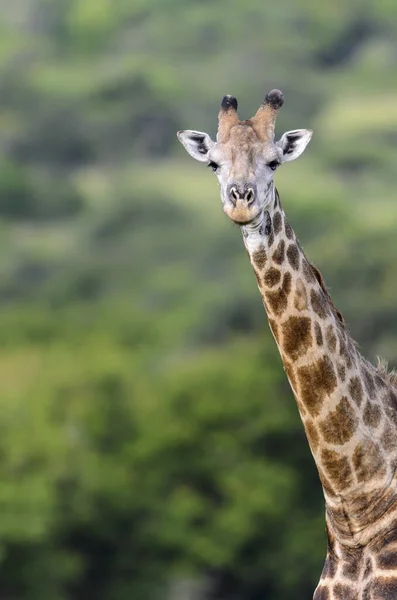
<point>382,367</point>
<point>383,370</point>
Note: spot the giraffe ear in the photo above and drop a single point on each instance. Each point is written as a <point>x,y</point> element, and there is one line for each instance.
<point>197,143</point>
<point>293,143</point>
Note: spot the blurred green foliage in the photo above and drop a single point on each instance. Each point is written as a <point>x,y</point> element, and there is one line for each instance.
<point>148,434</point>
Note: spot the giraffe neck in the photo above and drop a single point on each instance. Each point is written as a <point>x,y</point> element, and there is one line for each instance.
<point>349,411</point>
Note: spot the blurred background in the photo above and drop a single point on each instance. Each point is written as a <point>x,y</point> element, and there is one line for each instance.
<point>150,446</point>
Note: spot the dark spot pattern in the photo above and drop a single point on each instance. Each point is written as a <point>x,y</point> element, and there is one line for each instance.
<point>337,467</point>
<point>331,338</point>
<point>297,336</point>
<point>387,559</point>
<point>272,277</point>
<point>372,415</point>
<point>384,588</point>
<point>318,334</point>
<point>340,423</point>
<point>330,567</point>
<point>388,438</point>
<point>287,282</point>
<point>344,592</point>
<point>277,223</point>
<point>356,390</point>
<point>316,381</point>
<point>293,256</point>
<point>259,257</point>
<point>388,541</point>
<point>288,230</point>
<point>279,253</point>
<point>300,300</point>
<point>344,349</point>
<point>307,271</point>
<point>277,301</point>
<point>367,461</point>
<point>369,505</point>
<point>351,568</point>
<point>319,304</point>
<point>268,223</point>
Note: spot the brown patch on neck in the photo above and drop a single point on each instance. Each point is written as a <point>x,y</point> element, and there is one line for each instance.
<point>272,277</point>
<point>277,223</point>
<point>300,300</point>
<point>372,415</point>
<point>340,424</point>
<point>319,334</point>
<point>279,253</point>
<point>259,257</point>
<point>317,381</point>
<point>337,468</point>
<point>277,301</point>
<point>356,390</point>
<point>368,461</point>
<point>297,336</point>
<point>344,592</point>
<point>287,281</point>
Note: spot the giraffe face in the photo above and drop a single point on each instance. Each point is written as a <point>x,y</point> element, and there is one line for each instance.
<point>244,167</point>
<point>245,155</point>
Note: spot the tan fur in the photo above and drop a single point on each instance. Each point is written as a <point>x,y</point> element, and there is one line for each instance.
<point>226,120</point>
<point>263,122</point>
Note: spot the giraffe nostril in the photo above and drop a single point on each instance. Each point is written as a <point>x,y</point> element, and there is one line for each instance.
<point>234,195</point>
<point>250,196</point>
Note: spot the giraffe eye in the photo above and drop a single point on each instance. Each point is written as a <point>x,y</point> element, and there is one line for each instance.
<point>213,165</point>
<point>273,165</point>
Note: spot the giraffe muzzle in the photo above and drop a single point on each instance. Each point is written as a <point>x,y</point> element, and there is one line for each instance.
<point>241,205</point>
<point>243,195</point>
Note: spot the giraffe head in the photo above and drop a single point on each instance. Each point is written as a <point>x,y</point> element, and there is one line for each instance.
<point>245,155</point>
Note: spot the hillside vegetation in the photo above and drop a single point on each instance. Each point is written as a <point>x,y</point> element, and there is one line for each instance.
<point>150,444</point>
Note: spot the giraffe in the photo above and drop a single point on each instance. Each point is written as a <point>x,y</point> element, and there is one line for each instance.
<point>348,407</point>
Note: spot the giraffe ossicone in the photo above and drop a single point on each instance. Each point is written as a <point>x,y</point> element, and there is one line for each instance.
<point>348,407</point>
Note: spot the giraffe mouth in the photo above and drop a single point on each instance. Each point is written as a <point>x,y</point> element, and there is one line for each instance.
<point>242,215</point>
